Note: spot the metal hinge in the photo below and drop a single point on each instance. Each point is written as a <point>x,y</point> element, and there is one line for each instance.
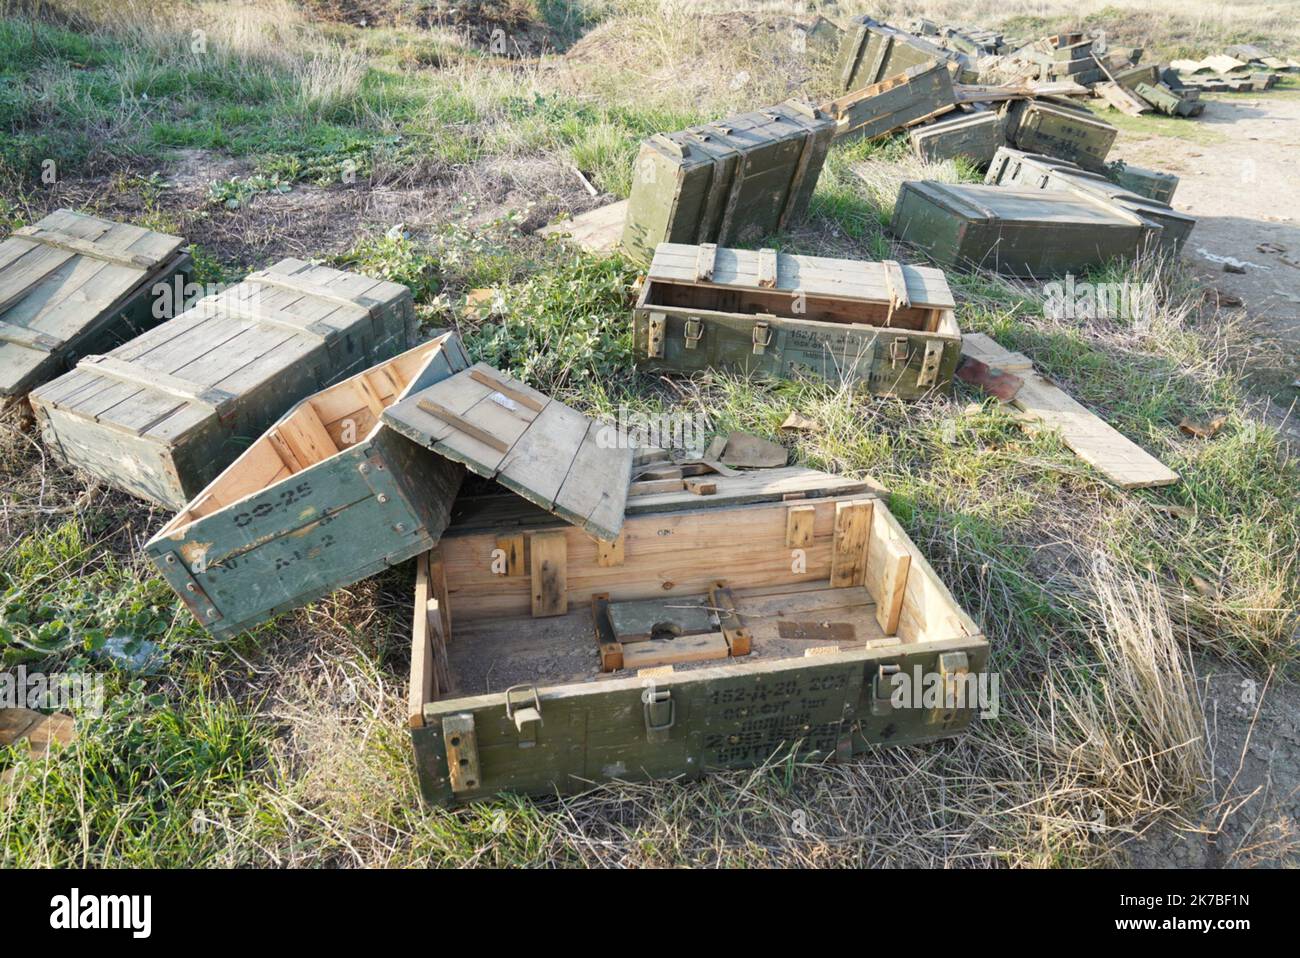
<point>693,331</point>
<point>762,336</point>
<point>660,714</point>
<point>527,719</point>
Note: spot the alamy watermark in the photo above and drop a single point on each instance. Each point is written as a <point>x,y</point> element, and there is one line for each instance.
<point>945,692</point>
<point>1128,301</point>
<point>637,430</point>
<point>81,692</point>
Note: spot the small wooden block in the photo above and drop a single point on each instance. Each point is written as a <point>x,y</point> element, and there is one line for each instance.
<point>687,648</point>
<point>462,751</point>
<point>799,522</point>
<point>549,562</point>
<point>611,650</point>
<point>767,268</point>
<point>702,487</point>
<point>653,486</point>
<point>513,547</point>
<point>657,672</point>
<point>849,553</point>
<point>704,261</point>
<point>609,553</point>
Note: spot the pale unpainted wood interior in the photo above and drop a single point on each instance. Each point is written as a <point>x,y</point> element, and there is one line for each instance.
<point>781,303</point>
<point>865,580</point>
<point>321,426</point>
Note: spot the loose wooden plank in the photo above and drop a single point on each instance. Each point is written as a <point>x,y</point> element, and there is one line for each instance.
<point>852,530</point>
<point>1115,456</point>
<point>549,558</point>
<point>596,231</point>
<point>463,425</point>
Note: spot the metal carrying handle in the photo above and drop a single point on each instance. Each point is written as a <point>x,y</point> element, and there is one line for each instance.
<point>510,708</point>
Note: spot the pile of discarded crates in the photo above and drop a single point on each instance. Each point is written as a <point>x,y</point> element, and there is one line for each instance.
<point>592,604</point>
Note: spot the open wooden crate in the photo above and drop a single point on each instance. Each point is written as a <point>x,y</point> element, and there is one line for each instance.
<point>830,596</point>
<point>326,497</point>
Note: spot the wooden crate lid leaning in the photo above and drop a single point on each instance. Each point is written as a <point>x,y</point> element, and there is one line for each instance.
<point>163,414</point>
<point>324,498</point>
<point>651,658</point>
<point>885,326</point>
<point>72,284</point>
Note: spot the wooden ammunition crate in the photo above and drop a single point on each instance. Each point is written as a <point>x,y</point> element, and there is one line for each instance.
<point>872,51</point>
<point>974,136</point>
<point>820,602</point>
<point>161,416</point>
<point>734,181</point>
<point>1060,130</point>
<point>881,326</point>
<point>913,96</point>
<point>1028,233</point>
<point>326,497</point>
<point>1152,184</point>
<point>1167,227</point>
<point>72,284</point>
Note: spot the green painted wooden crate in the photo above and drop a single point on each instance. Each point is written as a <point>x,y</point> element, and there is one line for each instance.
<point>325,498</point>
<point>807,659</point>
<point>915,95</point>
<point>162,415</point>
<point>1165,100</point>
<point>72,284</point>
<point>1169,230</point>
<point>974,136</point>
<point>871,51</point>
<point>1152,184</point>
<point>879,326</point>
<point>1055,129</point>
<point>1021,232</point>
<point>734,181</point>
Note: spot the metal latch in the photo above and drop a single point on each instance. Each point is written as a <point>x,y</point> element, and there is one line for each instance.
<point>694,330</point>
<point>762,335</point>
<point>883,689</point>
<point>930,364</point>
<point>899,350</point>
<point>660,714</point>
<point>655,335</point>
<point>527,719</point>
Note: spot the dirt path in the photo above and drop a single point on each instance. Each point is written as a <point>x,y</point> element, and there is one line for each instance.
<point>1242,190</point>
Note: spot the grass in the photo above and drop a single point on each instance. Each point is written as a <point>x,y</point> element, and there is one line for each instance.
<point>288,747</point>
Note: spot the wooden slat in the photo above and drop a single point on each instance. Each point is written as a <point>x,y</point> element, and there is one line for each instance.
<point>306,287</point>
<point>704,261</point>
<point>423,687</point>
<point>549,560</point>
<point>799,526</point>
<point>767,268</point>
<point>131,374</point>
<point>28,338</point>
<point>462,424</point>
<point>849,551</point>
<point>73,244</point>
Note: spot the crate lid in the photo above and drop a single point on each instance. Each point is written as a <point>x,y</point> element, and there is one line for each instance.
<point>535,446</point>
<point>180,374</point>
<point>61,276</point>
<point>846,279</point>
